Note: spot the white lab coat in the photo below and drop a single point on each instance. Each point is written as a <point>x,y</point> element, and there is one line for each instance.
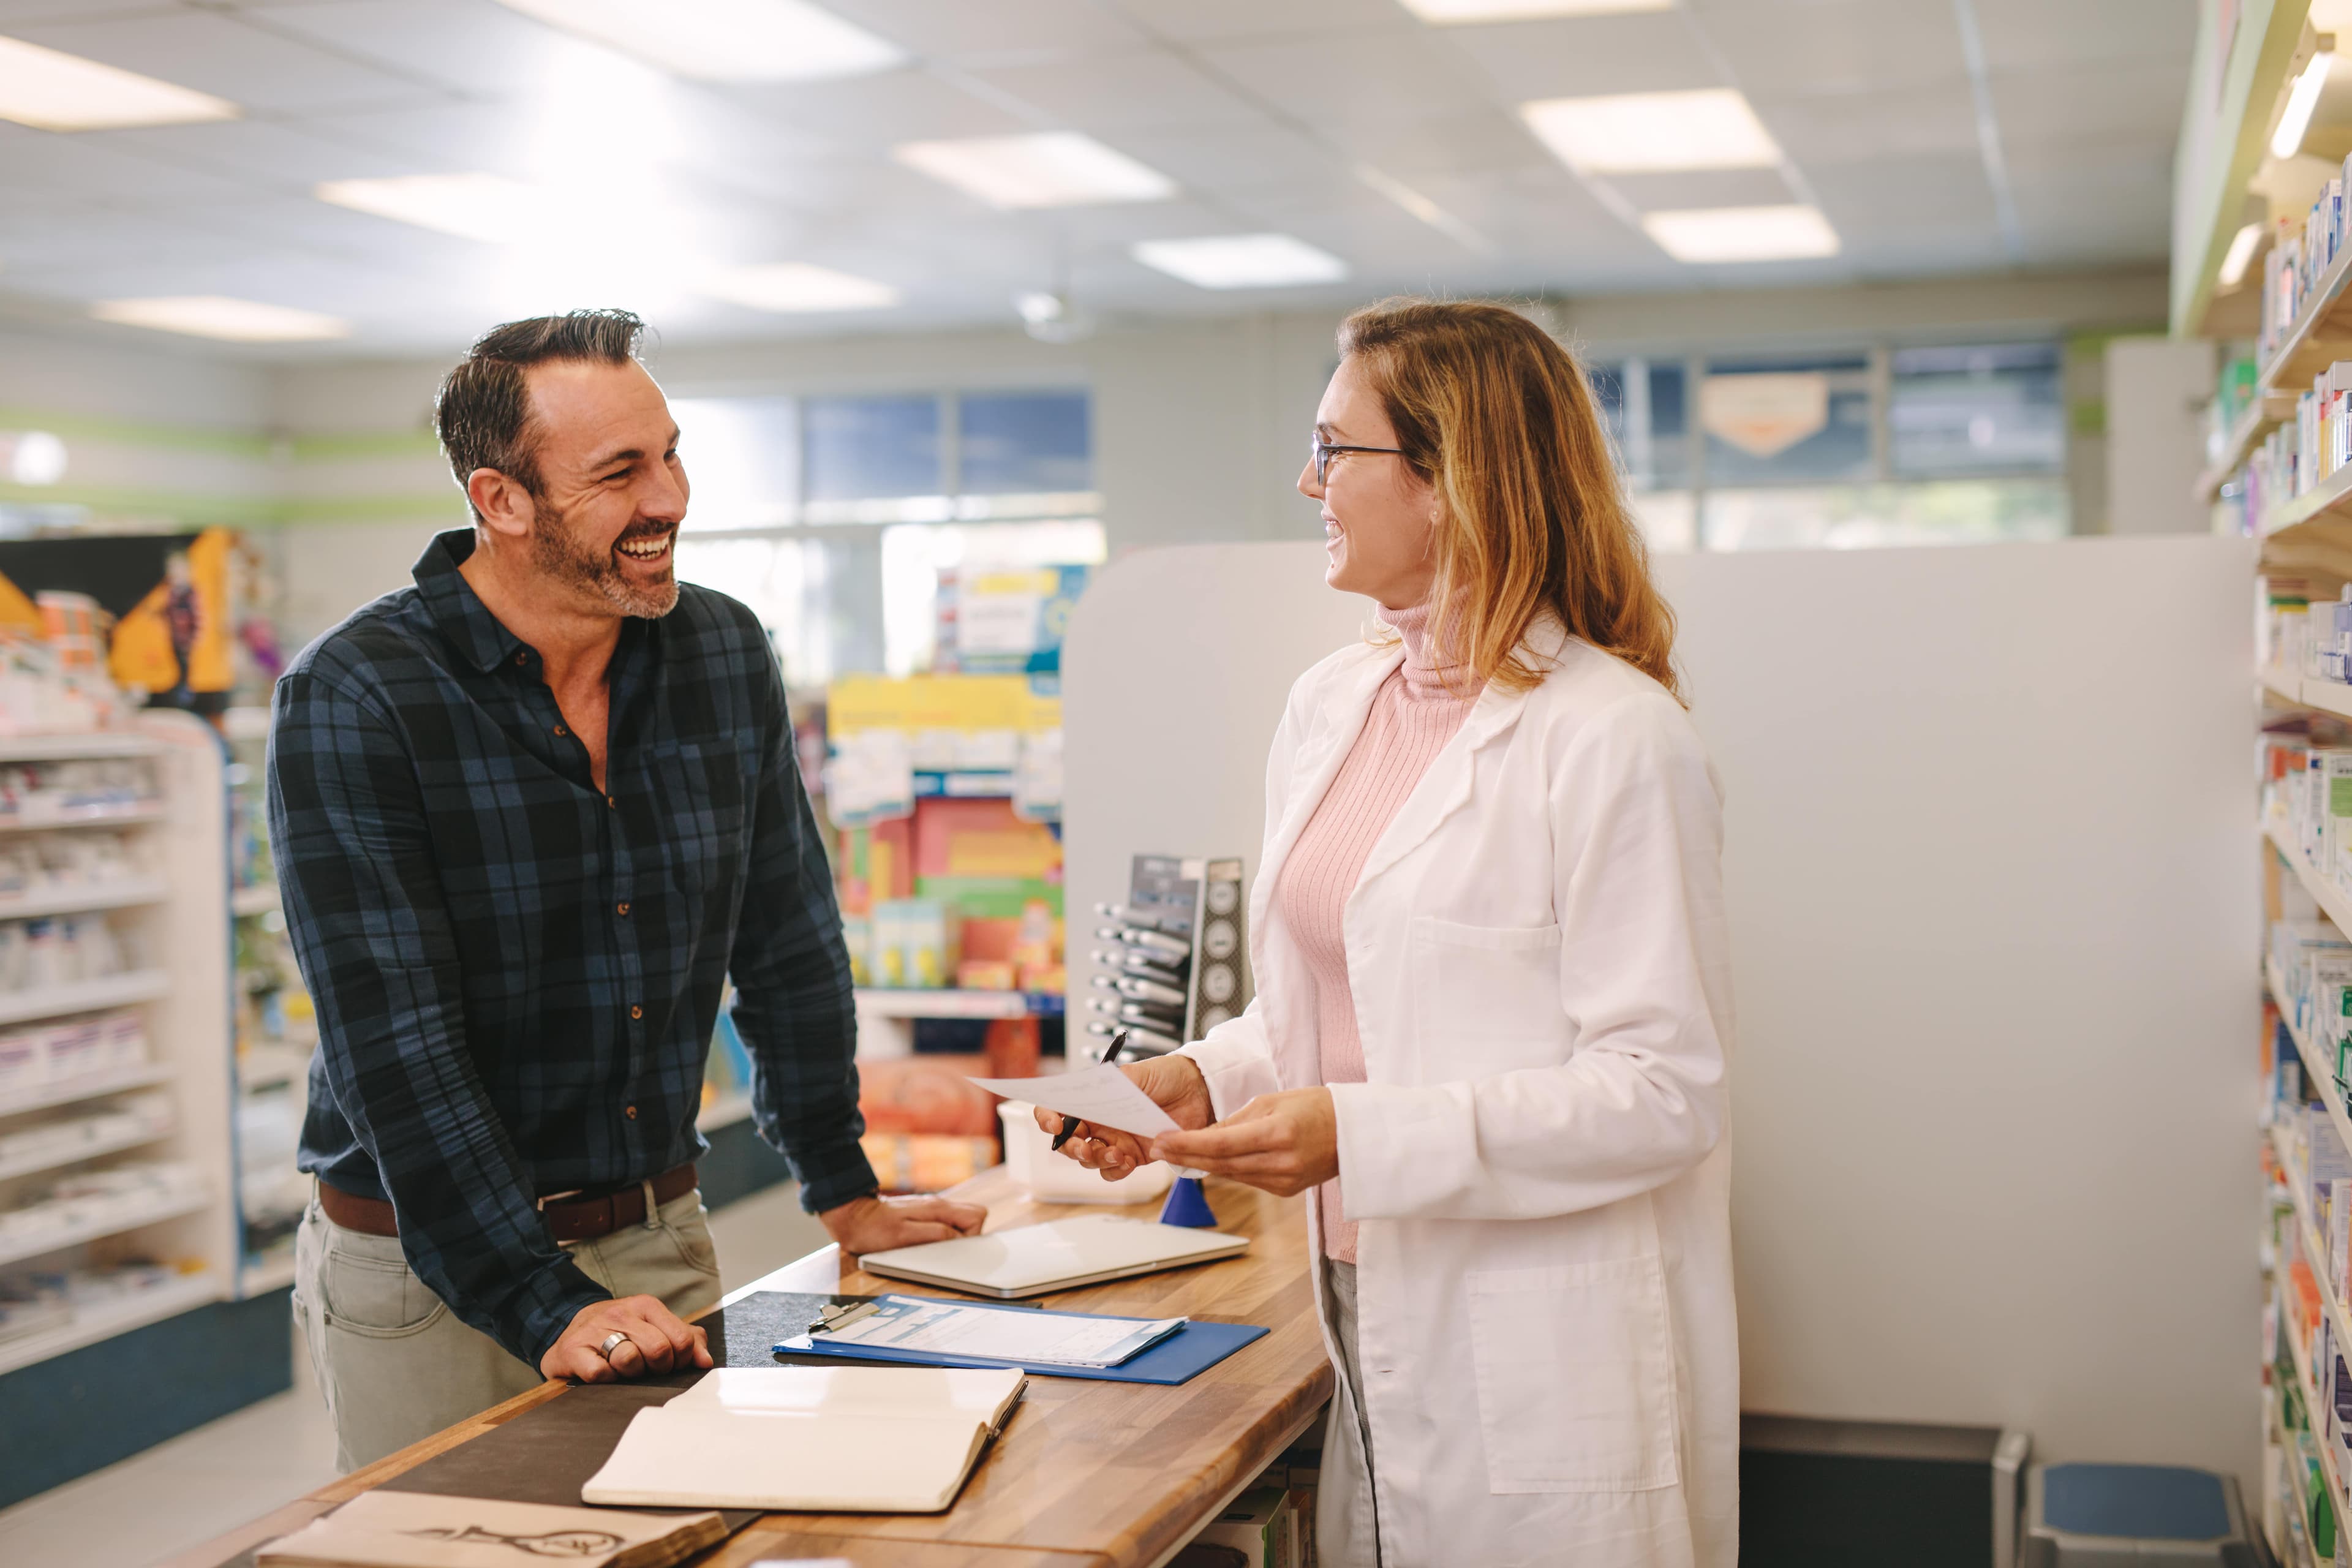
<point>1539,1160</point>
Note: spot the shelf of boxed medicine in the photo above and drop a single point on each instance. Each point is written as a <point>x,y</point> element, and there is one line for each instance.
<point>30,1233</point>
<point>2317,335</point>
<point>2320,1072</point>
<point>2266,413</point>
<point>2332,1307</point>
<point>82,996</point>
<point>132,1310</point>
<point>2331,497</point>
<point>57,1143</point>
<point>2334,901</point>
<point>75,898</point>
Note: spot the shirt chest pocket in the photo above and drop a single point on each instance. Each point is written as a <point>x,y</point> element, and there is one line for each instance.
<point>703,804</point>
<point>1493,987</point>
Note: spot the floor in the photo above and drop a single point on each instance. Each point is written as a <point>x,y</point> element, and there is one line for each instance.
<point>182,1493</point>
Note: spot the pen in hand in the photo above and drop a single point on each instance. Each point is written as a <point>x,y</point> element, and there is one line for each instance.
<point>1070,1124</point>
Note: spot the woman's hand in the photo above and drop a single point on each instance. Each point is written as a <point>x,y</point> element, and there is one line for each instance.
<point>1175,1086</point>
<point>1283,1142</point>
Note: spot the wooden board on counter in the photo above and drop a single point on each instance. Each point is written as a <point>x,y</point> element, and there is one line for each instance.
<point>1087,1474</point>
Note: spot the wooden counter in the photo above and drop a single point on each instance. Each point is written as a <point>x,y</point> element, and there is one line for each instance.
<point>1087,1474</point>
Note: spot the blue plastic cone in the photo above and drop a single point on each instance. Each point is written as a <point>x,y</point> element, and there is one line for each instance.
<point>1188,1205</point>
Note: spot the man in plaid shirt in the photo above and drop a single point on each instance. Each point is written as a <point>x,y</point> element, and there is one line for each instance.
<point>529,815</point>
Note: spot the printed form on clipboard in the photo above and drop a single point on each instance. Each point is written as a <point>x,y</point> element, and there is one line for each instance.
<point>916,1328</point>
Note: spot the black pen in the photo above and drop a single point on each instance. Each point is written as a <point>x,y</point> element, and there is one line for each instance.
<point>1070,1124</point>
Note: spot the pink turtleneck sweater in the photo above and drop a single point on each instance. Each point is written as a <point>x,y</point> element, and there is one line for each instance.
<point>1413,717</point>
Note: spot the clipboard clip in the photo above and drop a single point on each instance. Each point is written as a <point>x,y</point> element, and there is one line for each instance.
<point>831,1318</point>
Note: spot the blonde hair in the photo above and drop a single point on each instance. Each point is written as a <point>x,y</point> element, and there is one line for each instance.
<point>1499,417</point>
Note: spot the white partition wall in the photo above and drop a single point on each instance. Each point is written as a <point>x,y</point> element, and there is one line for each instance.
<point>1993,889</point>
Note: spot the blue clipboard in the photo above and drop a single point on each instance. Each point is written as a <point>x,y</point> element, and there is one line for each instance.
<point>1181,1356</point>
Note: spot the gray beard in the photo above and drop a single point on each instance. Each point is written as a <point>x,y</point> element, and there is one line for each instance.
<point>559,554</point>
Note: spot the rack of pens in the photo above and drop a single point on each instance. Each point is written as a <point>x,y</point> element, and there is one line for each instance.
<point>1174,965</point>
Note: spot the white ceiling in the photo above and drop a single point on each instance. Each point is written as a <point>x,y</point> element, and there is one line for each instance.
<point>1262,111</point>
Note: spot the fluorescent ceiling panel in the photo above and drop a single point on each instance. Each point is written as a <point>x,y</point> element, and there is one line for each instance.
<point>215,316</point>
<point>1646,132</point>
<point>1742,234</point>
<point>793,286</point>
<point>724,40</point>
<point>1451,13</point>
<point>486,207</point>
<point>53,91</point>
<point>1242,261</point>
<point>1052,169</point>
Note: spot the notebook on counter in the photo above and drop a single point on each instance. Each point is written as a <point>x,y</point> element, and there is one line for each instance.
<point>1059,1255</point>
<point>416,1530</point>
<point>848,1440</point>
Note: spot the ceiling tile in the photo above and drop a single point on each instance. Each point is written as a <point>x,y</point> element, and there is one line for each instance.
<point>2034,35</point>
<point>1703,188</point>
<point>77,166</point>
<point>1223,21</point>
<point>1486,139</point>
<point>1891,196</point>
<point>1380,80</point>
<point>1788,47</point>
<point>877,112</point>
<point>1843,127</point>
<point>463,44</point>
<point>1002,29</point>
<point>1643,51</point>
<point>1142,91</point>
<point>1239,158</point>
<point>221,55</point>
<point>2139,102</point>
<point>257,152</point>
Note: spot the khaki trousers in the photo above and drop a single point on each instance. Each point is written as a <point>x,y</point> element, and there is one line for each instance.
<point>397,1365</point>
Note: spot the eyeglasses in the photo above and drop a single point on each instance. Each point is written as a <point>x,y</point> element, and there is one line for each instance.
<point>1324,451</point>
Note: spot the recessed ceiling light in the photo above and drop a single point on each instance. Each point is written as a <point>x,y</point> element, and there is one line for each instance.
<point>487,207</point>
<point>215,316</point>
<point>1450,13</point>
<point>724,40</point>
<point>54,91</point>
<point>1242,261</point>
<point>1645,132</point>
<point>1052,169</point>
<point>2240,254</point>
<point>2286,139</point>
<point>1742,234</point>
<point>790,286</point>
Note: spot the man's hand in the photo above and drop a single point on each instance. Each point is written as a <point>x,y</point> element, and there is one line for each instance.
<point>658,1342</point>
<point>878,1224</point>
<point>1284,1143</point>
<point>1174,1084</point>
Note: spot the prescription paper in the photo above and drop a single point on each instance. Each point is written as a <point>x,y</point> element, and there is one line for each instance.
<point>1050,1337</point>
<point>1100,1093</point>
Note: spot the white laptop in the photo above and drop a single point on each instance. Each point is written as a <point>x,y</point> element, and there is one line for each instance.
<point>1031,1259</point>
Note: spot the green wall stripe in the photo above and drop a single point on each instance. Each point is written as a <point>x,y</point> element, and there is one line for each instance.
<point>250,511</point>
<point>136,433</point>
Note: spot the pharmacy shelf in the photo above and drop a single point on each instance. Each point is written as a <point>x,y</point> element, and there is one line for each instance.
<point>2335,901</point>
<point>83,996</point>
<point>141,1077</point>
<point>2280,684</point>
<point>258,900</point>
<point>266,1066</point>
<point>103,743</point>
<point>122,893</point>
<point>95,1323</point>
<point>913,1003</point>
<point>2319,1074</point>
<point>155,1213</point>
<point>2266,413</point>
<point>2329,1303</point>
<point>259,1279</point>
<point>2327,696</point>
<point>11,1168</point>
<point>84,816</point>
<point>2331,498</point>
<point>2320,335</point>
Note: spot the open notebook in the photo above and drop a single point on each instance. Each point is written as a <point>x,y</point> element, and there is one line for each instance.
<point>848,1440</point>
<point>1030,1260</point>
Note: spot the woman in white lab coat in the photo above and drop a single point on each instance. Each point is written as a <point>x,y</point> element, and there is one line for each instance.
<point>1492,996</point>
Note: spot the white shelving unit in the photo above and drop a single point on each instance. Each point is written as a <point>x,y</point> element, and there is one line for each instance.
<point>273,1045</point>
<point>171,916</point>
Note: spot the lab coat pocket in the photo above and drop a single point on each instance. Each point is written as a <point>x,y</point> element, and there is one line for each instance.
<point>1576,1379</point>
<point>1491,986</point>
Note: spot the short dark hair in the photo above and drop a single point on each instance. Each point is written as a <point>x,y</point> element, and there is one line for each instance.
<point>482,412</point>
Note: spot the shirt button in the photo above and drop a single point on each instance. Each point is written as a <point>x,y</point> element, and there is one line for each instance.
<point>523,659</point>
<point>636,1012</point>
<point>611,802</point>
<point>561,730</point>
<point>630,1111</point>
<point>621,908</point>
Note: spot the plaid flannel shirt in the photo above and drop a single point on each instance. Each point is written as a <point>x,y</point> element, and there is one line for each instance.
<point>517,977</point>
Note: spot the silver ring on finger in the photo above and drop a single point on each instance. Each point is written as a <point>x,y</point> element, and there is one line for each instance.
<point>612,1342</point>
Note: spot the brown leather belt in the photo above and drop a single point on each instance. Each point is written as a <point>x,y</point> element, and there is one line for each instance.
<point>572,1216</point>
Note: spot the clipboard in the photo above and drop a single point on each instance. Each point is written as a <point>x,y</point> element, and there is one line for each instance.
<point>1179,1358</point>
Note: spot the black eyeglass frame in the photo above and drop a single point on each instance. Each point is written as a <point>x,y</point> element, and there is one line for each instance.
<point>1323,451</point>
